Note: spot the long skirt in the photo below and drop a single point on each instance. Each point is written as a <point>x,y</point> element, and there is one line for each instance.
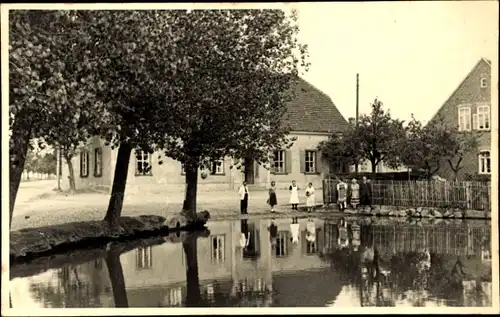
<point>272,201</point>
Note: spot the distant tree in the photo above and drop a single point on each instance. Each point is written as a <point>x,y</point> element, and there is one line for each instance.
<point>379,137</point>
<point>426,147</point>
<point>341,149</point>
<point>48,163</point>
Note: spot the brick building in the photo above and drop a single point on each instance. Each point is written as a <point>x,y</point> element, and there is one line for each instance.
<point>469,108</point>
<point>311,114</point>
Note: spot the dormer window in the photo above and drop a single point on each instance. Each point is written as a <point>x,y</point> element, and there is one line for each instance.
<point>484,83</point>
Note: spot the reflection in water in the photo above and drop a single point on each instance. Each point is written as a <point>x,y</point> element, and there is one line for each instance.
<point>281,262</point>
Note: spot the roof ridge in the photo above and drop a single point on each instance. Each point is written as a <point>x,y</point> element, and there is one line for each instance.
<point>482,59</point>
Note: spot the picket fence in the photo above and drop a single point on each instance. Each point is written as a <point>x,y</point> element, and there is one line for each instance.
<point>439,194</point>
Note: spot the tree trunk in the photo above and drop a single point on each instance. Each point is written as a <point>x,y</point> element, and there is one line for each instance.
<point>115,271</point>
<point>71,171</point>
<point>17,156</point>
<point>374,171</point>
<point>191,190</point>
<point>193,297</point>
<point>119,183</point>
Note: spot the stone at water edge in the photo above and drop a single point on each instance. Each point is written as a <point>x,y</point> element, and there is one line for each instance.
<point>438,214</point>
<point>458,214</point>
<point>402,213</point>
<point>447,213</point>
<point>419,209</point>
<point>424,213</point>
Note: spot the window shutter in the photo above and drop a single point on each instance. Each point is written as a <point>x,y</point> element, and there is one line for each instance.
<point>288,161</point>
<point>302,161</point>
<point>257,169</point>
<point>81,164</point>
<point>474,121</point>
<point>319,161</point>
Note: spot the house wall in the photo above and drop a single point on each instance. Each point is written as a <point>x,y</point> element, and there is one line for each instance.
<point>471,94</point>
<point>91,181</point>
<point>168,176</point>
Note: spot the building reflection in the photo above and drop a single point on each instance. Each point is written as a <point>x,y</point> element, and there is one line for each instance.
<point>241,264</point>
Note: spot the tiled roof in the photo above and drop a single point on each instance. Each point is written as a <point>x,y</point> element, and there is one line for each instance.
<point>311,110</point>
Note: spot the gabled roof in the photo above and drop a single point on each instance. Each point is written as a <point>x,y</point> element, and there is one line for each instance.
<point>311,110</point>
<point>482,60</point>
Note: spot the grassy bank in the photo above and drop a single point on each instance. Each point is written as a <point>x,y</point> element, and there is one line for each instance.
<point>39,241</point>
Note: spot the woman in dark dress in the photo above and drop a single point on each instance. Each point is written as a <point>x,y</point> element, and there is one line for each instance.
<point>272,201</point>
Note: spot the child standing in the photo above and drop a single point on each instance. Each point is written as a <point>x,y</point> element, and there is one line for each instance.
<point>342,195</point>
<point>294,195</point>
<point>310,197</point>
<point>272,200</point>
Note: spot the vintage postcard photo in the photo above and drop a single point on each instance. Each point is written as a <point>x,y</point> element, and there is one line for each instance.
<point>266,158</point>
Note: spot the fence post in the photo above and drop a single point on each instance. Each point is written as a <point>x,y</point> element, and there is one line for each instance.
<point>392,190</point>
<point>468,194</point>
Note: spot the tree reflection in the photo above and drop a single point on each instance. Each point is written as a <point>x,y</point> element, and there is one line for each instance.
<point>115,272</point>
<point>193,296</point>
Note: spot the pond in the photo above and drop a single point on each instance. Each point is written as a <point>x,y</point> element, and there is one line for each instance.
<point>276,263</point>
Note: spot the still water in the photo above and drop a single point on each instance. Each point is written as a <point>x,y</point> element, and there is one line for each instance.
<point>274,263</point>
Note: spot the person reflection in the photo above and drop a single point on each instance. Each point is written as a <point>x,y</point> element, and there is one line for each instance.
<point>273,233</point>
<point>244,237</point>
<point>295,229</point>
<point>343,237</point>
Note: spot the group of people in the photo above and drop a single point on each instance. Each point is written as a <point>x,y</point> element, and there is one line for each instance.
<point>354,194</point>
<point>272,200</point>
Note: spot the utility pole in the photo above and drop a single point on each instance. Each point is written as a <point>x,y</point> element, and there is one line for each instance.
<point>356,166</point>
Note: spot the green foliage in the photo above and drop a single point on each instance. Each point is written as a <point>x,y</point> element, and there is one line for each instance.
<point>37,163</point>
<point>377,137</point>
<point>426,146</point>
<point>239,73</point>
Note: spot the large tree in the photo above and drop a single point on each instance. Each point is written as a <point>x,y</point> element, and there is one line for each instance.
<point>378,137</point>
<point>49,82</point>
<point>426,146</point>
<point>233,88</point>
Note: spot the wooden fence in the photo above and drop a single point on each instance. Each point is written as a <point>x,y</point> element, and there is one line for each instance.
<point>464,194</point>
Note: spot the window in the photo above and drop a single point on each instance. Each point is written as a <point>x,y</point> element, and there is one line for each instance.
<point>144,258</point>
<point>310,160</point>
<point>84,164</point>
<point>143,163</point>
<point>464,119</point>
<point>481,119</point>
<point>98,162</point>
<point>279,162</point>
<point>484,162</point>
<point>281,243</point>
<point>218,167</point>
<point>173,297</point>
<point>484,83</point>
<point>218,254</point>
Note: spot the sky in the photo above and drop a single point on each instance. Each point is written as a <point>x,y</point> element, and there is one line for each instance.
<point>411,55</point>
